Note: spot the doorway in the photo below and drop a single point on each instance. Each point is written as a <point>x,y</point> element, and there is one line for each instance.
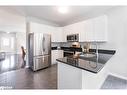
<point>10,50</point>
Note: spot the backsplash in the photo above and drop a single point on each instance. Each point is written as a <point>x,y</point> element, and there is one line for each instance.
<point>69,44</point>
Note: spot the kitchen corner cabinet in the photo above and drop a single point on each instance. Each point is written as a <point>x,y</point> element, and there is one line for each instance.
<point>55,55</point>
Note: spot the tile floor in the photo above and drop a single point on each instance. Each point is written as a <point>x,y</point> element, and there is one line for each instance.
<point>113,82</point>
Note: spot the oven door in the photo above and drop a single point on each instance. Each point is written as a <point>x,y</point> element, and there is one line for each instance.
<point>68,53</point>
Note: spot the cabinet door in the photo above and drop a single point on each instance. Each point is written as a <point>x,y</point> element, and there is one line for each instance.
<point>56,54</point>
<point>69,77</point>
<point>65,33</point>
<point>81,31</point>
<point>57,34</point>
<point>76,28</point>
<point>88,28</point>
<point>69,29</point>
<point>41,62</point>
<point>59,37</point>
<point>94,29</point>
<point>100,28</point>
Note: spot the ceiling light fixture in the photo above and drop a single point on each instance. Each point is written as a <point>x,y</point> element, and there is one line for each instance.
<point>63,10</point>
<point>7,32</point>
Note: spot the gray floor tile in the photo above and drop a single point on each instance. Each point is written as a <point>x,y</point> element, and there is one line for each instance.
<point>113,82</point>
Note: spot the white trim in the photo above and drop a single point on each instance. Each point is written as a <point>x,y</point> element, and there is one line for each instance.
<point>119,76</point>
<point>27,66</point>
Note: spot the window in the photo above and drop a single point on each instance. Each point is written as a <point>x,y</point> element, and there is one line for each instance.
<point>5,41</point>
<point>12,42</point>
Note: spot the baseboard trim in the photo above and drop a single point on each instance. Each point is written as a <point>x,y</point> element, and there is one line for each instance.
<point>27,66</point>
<point>119,76</point>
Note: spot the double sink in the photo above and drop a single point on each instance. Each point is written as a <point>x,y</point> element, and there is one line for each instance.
<point>87,55</point>
<point>99,58</point>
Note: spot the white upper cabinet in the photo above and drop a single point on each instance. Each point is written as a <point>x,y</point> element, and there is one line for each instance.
<point>89,30</point>
<point>40,28</point>
<point>94,29</point>
<point>67,30</point>
<point>72,29</point>
<point>87,33</point>
<point>100,28</point>
<point>57,34</point>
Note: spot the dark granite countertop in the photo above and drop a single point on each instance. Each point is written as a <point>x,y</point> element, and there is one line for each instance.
<point>80,50</point>
<point>54,48</point>
<point>89,64</point>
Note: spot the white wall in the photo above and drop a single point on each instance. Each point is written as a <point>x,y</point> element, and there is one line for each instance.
<point>12,22</point>
<point>117,37</point>
<point>45,22</point>
<point>20,41</point>
<point>9,48</point>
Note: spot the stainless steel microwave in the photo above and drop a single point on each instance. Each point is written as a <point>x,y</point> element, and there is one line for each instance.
<point>73,38</point>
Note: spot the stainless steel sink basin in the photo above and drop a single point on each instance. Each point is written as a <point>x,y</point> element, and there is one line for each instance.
<point>87,55</point>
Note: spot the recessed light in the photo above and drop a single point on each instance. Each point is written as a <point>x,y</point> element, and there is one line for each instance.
<point>7,32</point>
<point>63,10</point>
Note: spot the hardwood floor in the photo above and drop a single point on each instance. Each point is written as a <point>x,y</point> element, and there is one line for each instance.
<point>11,62</point>
<point>27,79</point>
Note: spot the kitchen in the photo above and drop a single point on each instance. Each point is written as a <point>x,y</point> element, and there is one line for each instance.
<point>87,46</point>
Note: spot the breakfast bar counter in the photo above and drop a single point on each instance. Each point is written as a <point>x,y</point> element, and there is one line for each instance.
<point>79,72</point>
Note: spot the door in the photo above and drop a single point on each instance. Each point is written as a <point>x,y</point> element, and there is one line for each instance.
<point>46,44</point>
<point>41,62</point>
<point>100,28</point>
<point>38,44</point>
<point>88,28</point>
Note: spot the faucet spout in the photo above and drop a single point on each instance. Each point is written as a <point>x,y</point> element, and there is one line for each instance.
<point>96,49</point>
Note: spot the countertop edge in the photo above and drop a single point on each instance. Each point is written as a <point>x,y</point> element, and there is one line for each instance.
<point>79,67</point>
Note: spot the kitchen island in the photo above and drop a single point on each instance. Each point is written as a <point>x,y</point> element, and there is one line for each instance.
<point>82,72</point>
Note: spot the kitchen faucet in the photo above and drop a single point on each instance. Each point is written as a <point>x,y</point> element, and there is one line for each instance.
<point>96,49</point>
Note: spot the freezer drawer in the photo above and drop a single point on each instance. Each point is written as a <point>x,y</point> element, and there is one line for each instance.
<point>41,62</point>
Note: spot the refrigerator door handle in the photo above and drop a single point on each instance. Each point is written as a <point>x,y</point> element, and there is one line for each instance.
<point>43,44</point>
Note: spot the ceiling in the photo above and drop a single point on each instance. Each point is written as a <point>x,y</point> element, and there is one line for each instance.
<point>50,13</point>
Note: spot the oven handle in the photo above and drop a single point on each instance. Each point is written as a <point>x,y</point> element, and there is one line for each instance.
<point>68,52</point>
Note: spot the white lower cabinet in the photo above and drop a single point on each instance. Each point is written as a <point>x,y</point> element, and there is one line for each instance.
<point>55,55</point>
<point>70,77</point>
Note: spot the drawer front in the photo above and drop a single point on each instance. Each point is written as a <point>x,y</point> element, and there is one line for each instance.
<point>41,62</point>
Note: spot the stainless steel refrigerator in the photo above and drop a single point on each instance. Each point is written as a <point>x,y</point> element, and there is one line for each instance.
<point>39,51</point>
